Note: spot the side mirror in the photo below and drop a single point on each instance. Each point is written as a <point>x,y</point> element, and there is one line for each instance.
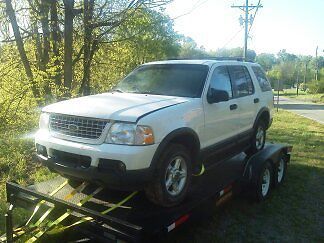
<point>216,95</point>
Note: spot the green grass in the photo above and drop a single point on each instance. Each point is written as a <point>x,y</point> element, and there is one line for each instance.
<point>294,212</point>
<point>16,164</point>
<point>302,95</point>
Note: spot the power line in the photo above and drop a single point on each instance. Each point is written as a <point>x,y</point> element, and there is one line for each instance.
<point>252,19</point>
<point>194,7</point>
<point>232,38</point>
<point>246,21</point>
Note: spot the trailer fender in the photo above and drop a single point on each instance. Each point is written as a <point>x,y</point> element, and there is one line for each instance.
<point>272,153</point>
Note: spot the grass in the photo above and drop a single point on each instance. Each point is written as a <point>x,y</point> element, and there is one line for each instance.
<point>16,164</point>
<point>294,212</point>
<point>302,95</point>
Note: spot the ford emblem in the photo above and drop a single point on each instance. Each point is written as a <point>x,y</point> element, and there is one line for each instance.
<point>73,128</point>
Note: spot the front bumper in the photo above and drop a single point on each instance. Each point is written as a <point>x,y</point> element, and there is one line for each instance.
<point>136,161</point>
<point>114,179</point>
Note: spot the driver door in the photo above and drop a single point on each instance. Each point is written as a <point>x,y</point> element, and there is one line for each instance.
<point>221,118</point>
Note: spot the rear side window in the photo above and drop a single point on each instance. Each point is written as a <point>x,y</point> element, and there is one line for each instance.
<point>220,80</point>
<point>262,79</point>
<point>241,81</point>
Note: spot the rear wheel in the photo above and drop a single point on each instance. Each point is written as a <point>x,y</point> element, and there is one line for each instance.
<point>173,177</point>
<point>281,171</point>
<point>262,181</point>
<point>258,139</point>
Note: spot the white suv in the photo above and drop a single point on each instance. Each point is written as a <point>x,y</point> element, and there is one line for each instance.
<point>157,127</point>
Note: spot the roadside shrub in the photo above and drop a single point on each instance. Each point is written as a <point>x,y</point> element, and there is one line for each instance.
<point>316,87</point>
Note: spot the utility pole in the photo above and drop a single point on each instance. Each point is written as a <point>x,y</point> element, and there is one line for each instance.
<point>297,81</point>
<point>246,21</point>
<point>297,77</point>
<point>316,63</point>
<point>305,75</point>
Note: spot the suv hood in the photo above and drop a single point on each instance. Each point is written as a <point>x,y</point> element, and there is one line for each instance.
<point>115,106</point>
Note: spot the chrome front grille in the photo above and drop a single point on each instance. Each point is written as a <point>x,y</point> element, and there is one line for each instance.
<point>81,127</point>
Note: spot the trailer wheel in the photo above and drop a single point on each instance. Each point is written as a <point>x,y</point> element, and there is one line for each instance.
<point>281,169</point>
<point>262,181</point>
<point>258,139</point>
<point>173,177</point>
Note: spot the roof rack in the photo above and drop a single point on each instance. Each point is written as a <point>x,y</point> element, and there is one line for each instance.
<point>239,59</point>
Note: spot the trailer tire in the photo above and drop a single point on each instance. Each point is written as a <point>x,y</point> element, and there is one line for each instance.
<point>262,181</point>
<point>158,192</point>
<point>280,171</point>
<point>258,138</point>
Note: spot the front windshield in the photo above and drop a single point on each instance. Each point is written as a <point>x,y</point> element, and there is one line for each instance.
<point>184,80</point>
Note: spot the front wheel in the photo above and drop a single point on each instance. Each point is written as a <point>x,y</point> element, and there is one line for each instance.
<point>258,139</point>
<point>173,177</point>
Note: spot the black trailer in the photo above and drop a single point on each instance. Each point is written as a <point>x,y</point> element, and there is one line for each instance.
<point>82,211</point>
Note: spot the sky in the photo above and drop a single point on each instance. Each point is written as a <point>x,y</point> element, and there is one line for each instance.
<point>294,25</point>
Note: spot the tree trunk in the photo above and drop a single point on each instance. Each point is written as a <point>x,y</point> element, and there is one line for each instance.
<point>36,38</point>
<point>68,45</point>
<point>20,45</point>
<point>88,52</point>
<point>44,11</point>
<point>56,40</point>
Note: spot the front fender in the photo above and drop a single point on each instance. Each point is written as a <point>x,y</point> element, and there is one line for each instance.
<point>184,131</point>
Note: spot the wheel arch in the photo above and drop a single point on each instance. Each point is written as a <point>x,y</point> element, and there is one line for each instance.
<point>185,136</point>
<point>263,114</point>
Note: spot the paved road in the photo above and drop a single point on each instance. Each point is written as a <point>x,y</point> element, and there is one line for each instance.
<point>306,109</point>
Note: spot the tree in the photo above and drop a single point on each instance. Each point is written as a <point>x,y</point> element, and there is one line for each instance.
<point>68,44</point>
<point>284,56</point>
<point>21,48</point>
<point>56,41</point>
<point>88,49</point>
<point>266,60</point>
<point>189,49</point>
<point>235,52</point>
<point>100,25</point>
<point>148,36</point>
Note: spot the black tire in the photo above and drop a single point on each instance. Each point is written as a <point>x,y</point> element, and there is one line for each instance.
<point>254,146</point>
<point>280,171</point>
<point>157,192</point>
<point>257,182</point>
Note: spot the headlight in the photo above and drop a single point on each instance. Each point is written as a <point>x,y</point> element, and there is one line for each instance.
<point>44,121</point>
<point>130,134</point>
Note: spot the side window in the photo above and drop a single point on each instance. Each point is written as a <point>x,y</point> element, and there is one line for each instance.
<point>262,79</point>
<point>249,81</point>
<point>220,80</point>
<point>241,80</point>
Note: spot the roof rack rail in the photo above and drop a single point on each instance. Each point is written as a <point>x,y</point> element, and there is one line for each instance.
<point>239,59</point>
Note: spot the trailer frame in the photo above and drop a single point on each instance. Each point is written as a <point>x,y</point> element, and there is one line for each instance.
<point>106,227</point>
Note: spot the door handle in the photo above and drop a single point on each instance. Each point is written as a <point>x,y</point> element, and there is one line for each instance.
<point>256,100</point>
<point>233,107</point>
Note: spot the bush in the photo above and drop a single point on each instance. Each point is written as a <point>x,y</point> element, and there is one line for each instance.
<point>316,87</point>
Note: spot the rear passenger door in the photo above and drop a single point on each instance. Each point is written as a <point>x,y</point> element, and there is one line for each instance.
<point>244,96</point>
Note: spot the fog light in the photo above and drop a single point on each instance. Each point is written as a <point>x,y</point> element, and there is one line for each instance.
<point>122,167</point>
<point>41,150</point>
